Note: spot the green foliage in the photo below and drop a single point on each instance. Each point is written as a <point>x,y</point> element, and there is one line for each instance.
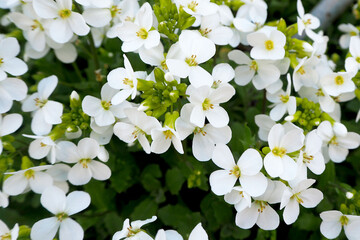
<point>171,19</point>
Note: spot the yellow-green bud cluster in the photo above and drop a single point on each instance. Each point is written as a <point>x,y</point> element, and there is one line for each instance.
<point>170,19</point>
<point>160,95</point>
<point>309,114</point>
<point>76,118</point>
<point>233,4</point>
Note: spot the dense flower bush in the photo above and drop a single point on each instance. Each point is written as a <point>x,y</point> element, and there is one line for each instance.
<point>168,112</point>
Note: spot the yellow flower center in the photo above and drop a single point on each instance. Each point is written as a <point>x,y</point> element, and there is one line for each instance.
<point>137,132</point>
<point>168,134</point>
<point>284,98</point>
<point>206,105</point>
<point>36,25</point>
<point>235,171</point>
<point>269,45</point>
<point>191,61</point>
<point>358,59</point>
<point>262,205</point>
<point>106,105</point>
<point>192,6</point>
<point>333,140</point>
<point>352,33</point>
<point>296,196</point>
<point>128,82</point>
<point>132,232</point>
<point>61,216</point>
<point>344,220</point>
<point>199,131</point>
<point>216,84</point>
<point>65,13</point>
<point>40,103</point>
<point>320,93</point>
<point>114,10</point>
<point>29,174</point>
<point>254,65</point>
<point>6,236</point>
<point>279,152</point>
<point>1,61</point>
<point>163,65</point>
<point>307,158</point>
<point>205,32</point>
<point>301,70</point>
<point>84,162</point>
<point>339,80</point>
<point>142,33</point>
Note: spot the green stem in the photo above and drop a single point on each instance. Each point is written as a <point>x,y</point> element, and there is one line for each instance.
<point>94,53</point>
<point>77,71</point>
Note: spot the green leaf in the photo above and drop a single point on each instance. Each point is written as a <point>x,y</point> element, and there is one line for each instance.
<point>149,177</point>
<point>146,209</point>
<point>123,175</point>
<point>101,197</point>
<point>179,217</point>
<point>174,180</point>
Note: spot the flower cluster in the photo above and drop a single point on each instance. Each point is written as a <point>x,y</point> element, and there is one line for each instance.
<point>184,96</point>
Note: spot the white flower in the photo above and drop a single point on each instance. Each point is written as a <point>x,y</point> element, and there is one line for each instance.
<point>222,74</point>
<point>334,220</point>
<point>350,31</point>
<point>299,194</point>
<point>59,173</point>
<point>124,79</point>
<point>168,235</point>
<point>338,139</point>
<point>239,197</point>
<point>306,22</point>
<point>213,30</point>
<point>267,44</point>
<point>227,19</point>
<point>45,112</point>
<point>283,102</point>
<point>133,230</point>
<point>305,73</point>
<point>154,56</point>
<point>352,64</point>
<point>311,156</point>
<point>32,26</point>
<point>55,201</point>
<point>260,212</point>
<point>265,123</point>
<point>162,139</point>
<point>205,102</point>
<point>83,155</point>
<point>262,73</point>
<point>9,63</point>
<point>205,138</point>
<point>9,124</point>
<point>6,233</point>
<point>138,33</point>
<point>138,127</point>
<point>337,83</point>
<point>63,21</point>
<point>192,50</point>
<point>32,178</point>
<point>103,111</point>
<point>247,170</point>
<point>4,200</point>
<point>277,162</point>
<point>41,147</point>
<point>11,89</point>
<point>198,233</point>
<point>197,8</point>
